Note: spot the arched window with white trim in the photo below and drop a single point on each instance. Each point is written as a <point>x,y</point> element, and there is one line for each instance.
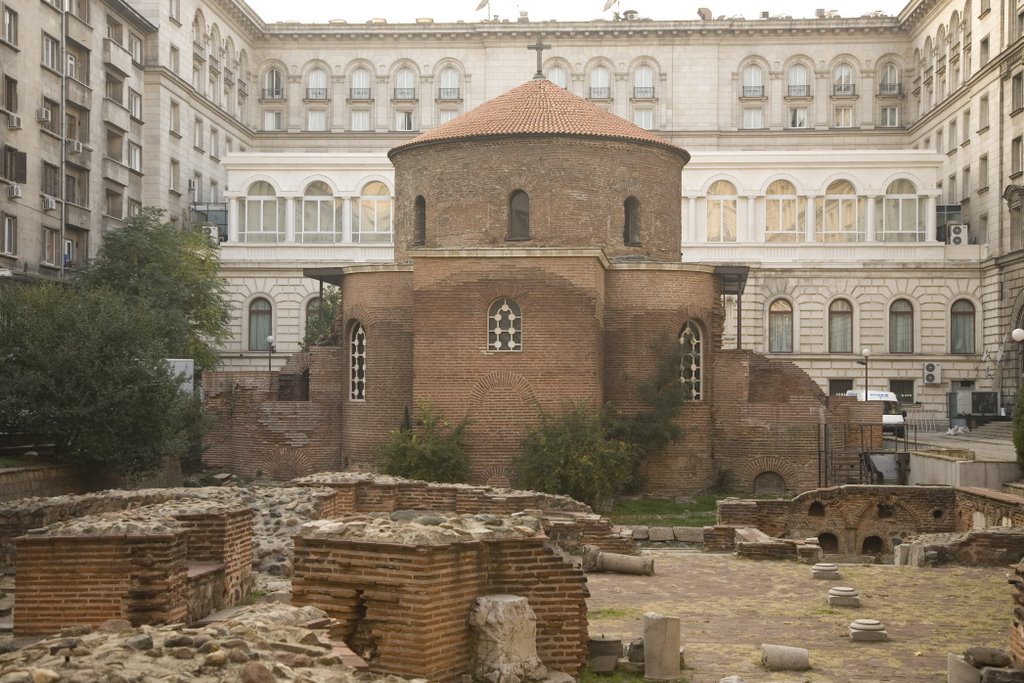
<point>261,322</point>
<point>504,326</point>
<point>315,220</point>
<point>840,327</point>
<point>902,215</point>
<point>691,362</point>
<point>405,84</point>
<point>797,83</point>
<point>839,214</point>
<point>556,75</point>
<point>753,81</point>
<point>263,218</point>
<point>316,84</point>
<point>721,211</point>
<point>901,326</point>
<point>371,214</point>
<point>780,327</point>
<point>784,213</point>
<point>599,84</point>
<point>273,84</point>
<point>360,89</point>
<point>643,83</point>
<point>890,83</point>
<point>449,89</point>
<point>961,327</point>
<point>357,363</point>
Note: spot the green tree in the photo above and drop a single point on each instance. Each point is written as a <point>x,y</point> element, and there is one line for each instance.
<point>435,450</point>
<point>172,273</point>
<point>85,370</point>
<point>1018,425</point>
<point>320,323</point>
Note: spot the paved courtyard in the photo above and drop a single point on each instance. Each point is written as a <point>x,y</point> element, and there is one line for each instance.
<point>729,606</point>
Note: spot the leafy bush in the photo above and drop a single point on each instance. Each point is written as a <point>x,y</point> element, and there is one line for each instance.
<point>320,323</point>
<point>573,454</point>
<point>1018,426</point>
<point>433,450</point>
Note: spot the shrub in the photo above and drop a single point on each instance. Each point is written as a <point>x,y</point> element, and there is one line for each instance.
<point>1018,425</point>
<point>433,450</point>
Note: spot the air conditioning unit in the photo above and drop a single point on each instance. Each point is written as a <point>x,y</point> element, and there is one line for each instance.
<point>74,147</point>
<point>211,231</point>
<point>957,234</point>
<point>931,373</point>
<point>14,191</point>
<point>13,120</point>
<point>43,115</point>
<point>49,203</point>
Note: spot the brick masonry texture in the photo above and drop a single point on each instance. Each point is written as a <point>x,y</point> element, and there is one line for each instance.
<point>407,606</point>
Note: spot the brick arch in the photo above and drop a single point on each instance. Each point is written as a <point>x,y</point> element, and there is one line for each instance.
<point>500,405</point>
<point>490,292</point>
<point>503,379</point>
<point>286,463</point>
<point>366,315</point>
<point>866,513</point>
<point>750,469</point>
<point>498,476</point>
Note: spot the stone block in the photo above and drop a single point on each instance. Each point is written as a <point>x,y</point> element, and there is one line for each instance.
<point>979,657</point>
<point>784,658</point>
<point>843,601</point>
<point>661,533</point>
<point>959,671</point>
<point>661,647</point>
<point>641,533</point>
<point>869,636</point>
<point>504,629</point>
<point>991,674</point>
<point>689,534</point>
<point>627,666</point>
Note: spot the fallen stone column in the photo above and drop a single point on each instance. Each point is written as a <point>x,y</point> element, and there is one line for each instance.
<point>783,658</point>
<point>594,560</point>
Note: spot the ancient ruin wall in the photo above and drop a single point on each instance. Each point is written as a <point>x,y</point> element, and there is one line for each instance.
<point>403,590</point>
<point>223,537</point>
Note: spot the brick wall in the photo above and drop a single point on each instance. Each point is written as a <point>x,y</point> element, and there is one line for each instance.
<point>224,537</point>
<point>1017,628</point>
<point>577,187</point>
<point>979,508</point>
<point>406,607</point>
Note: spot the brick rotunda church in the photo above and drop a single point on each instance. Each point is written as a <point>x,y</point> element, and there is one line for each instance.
<point>537,262</point>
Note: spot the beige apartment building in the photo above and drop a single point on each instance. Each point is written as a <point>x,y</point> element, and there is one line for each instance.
<point>865,169</point>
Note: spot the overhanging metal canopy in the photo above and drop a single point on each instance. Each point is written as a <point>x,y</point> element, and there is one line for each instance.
<point>733,278</point>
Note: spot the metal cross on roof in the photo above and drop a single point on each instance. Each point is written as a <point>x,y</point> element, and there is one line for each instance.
<point>539,46</point>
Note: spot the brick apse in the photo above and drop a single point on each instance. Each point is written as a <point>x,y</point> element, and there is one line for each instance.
<point>537,245</point>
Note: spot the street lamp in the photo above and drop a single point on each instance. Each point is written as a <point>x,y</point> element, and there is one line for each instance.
<point>866,352</point>
<point>270,353</point>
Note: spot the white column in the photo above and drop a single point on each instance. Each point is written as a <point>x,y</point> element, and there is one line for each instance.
<point>929,226</point>
<point>691,219</point>
<point>289,220</point>
<point>749,233</point>
<point>346,219</point>
<point>869,217</point>
<point>811,219</point>
<point>235,205</point>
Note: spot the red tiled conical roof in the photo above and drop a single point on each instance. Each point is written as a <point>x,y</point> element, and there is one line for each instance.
<point>538,107</point>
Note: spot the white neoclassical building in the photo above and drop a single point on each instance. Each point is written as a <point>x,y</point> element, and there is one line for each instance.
<point>857,165</point>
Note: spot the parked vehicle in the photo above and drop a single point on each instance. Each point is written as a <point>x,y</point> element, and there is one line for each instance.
<point>894,418</point>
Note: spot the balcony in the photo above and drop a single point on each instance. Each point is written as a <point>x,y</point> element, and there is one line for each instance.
<point>116,115</point>
<point>229,77</point>
<point>448,94</point>
<point>78,30</point>
<point>405,93</point>
<point>798,91</point>
<point>78,215</point>
<point>359,94</point>
<point>79,93</point>
<point>600,93</point>
<point>273,93</point>
<point>198,48</point>
<point>753,91</point>
<point>243,87</point>
<point>643,92</point>
<point>117,57</point>
<point>890,89</point>
<point>316,93</point>
<point>215,64</point>
<point>116,172</point>
<point>844,90</point>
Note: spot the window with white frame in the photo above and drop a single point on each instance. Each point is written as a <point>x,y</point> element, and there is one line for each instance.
<point>753,118</point>
<point>198,140</point>
<point>9,243</point>
<point>691,362</point>
<point>840,327</point>
<point>982,113</point>
<point>273,120</point>
<point>264,217</point>
<point>174,9</point>
<point>780,327</point>
<point>135,105</point>
<point>902,215</point>
<point>405,85</point>
<point>599,84</point>
<point>135,47</point>
<point>449,89</point>
<point>403,120</point>
<point>316,120</point>
<point>173,182</point>
<point>10,35</point>
<point>51,52</point>
<point>174,118</point>
<point>839,214</point>
<point>360,89</point>
<point>798,117</point>
<point>784,213</point>
<point>901,326</point>
<point>134,156</point>
<point>753,81</point>
<point>797,82</point>
<point>357,363</point>
<point>556,75</point>
<point>446,115</point>
<point>371,215</point>
<point>890,83</point>
<point>842,117</point>
<point>261,324</point>
<point>360,119</point>
<point>842,81</point>
<point>644,118</point>
<point>721,211</point>
<point>504,326</point>
<point>983,172</point>
<point>961,332</point>
<point>643,83</point>
<point>316,216</point>
<point>316,84</point>
<point>51,246</point>
<point>273,85</point>
<point>952,137</point>
<point>214,143</point>
<point>890,117</point>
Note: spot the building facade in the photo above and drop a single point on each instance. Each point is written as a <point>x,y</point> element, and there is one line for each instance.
<point>832,155</point>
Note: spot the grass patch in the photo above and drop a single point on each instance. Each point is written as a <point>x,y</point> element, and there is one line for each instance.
<point>619,677</point>
<point>701,511</point>
<point>255,596</point>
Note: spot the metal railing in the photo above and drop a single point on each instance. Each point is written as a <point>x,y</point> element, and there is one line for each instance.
<point>359,93</point>
<point>845,89</point>
<point>448,93</point>
<point>890,88</point>
<point>405,93</point>
<point>799,90</point>
<point>643,92</point>
<point>316,93</point>
<point>600,93</point>
<point>273,94</point>
<point>753,91</point>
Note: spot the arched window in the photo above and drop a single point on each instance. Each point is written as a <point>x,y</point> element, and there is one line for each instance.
<point>769,484</point>
<point>840,327</point>
<point>599,89</point>
<point>691,362</point>
<point>371,215</point>
<point>504,326</point>
<point>643,83</point>
<point>721,212</point>
<point>839,214</point>
<point>902,216</point>
<point>261,319</point>
<point>828,542</point>
<point>817,509</point>
<point>901,327</point>
<point>519,216</point>
<point>316,84</point>
<point>556,75</point>
<point>872,545</point>
<point>273,88</point>
<point>631,221</point>
<point>797,81</point>
<point>890,83</point>
<point>842,81</point>
<point>419,235</point>
<point>753,81</point>
<point>780,327</point>
<point>405,84</point>
<point>449,84</point>
<point>357,356</point>
<point>784,213</point>
<point>263,220</point>
<point>961,332</point>
<point>360,89</point>
<point>315,219</point>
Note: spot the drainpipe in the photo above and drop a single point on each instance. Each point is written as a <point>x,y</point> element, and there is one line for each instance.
<point>63,66</point>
